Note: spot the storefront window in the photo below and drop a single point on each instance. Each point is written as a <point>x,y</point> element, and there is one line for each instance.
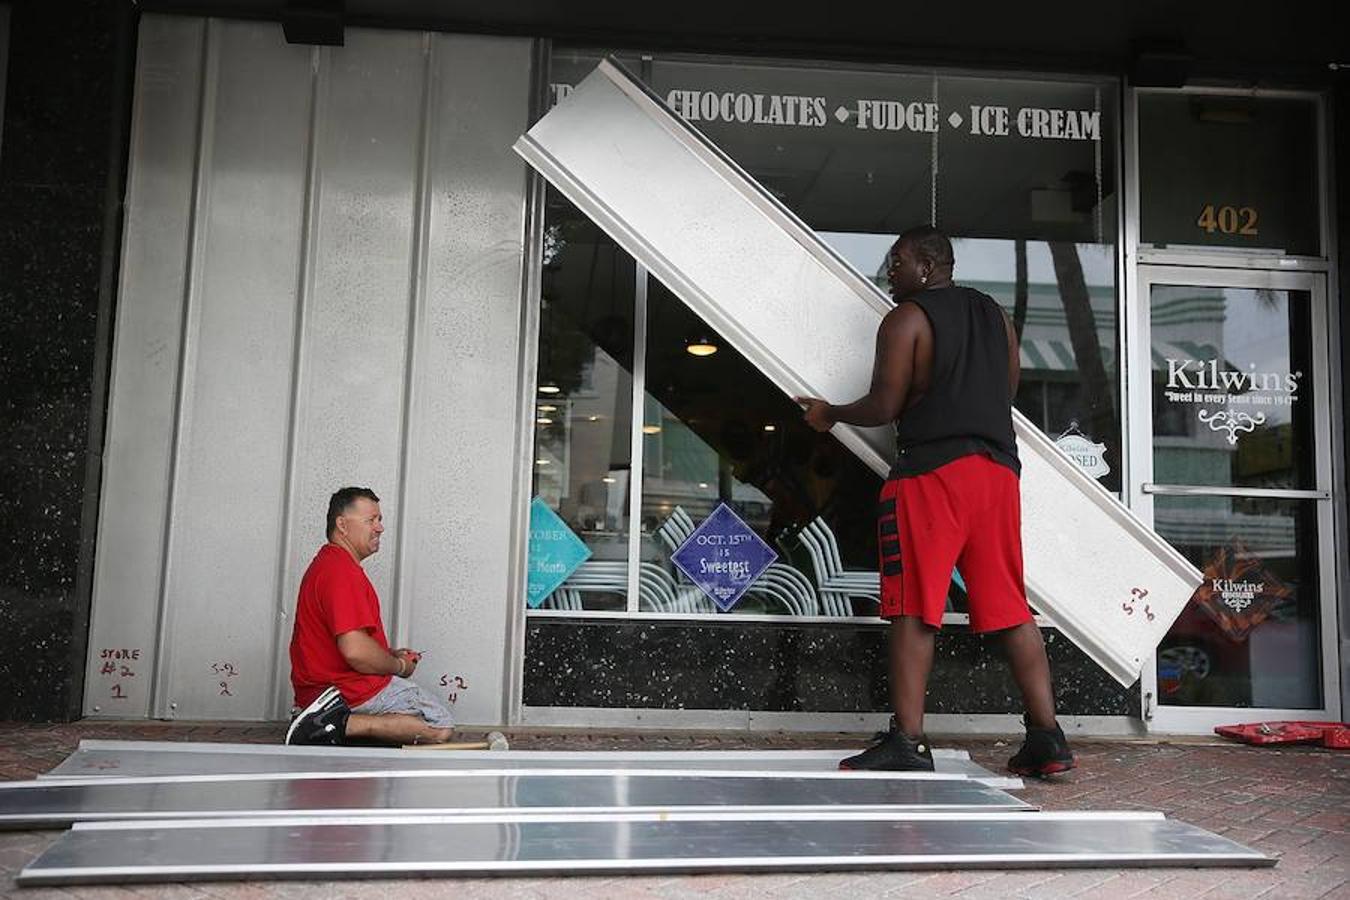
<point>1233,407</point>
<point>583,408</point>
<point>1232,387</point>
<point>1250,636</point>
<point>1229,171</point>
<point>1020,172</point>
<point>717,431</point>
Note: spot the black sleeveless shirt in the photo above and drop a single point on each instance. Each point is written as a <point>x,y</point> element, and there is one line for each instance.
<point>968,407</point>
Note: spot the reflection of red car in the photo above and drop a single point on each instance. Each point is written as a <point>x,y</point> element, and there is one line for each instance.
<point>1273,664</point>
<point>1193,651</point>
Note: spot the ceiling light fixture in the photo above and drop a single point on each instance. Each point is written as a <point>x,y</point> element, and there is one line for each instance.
<point>700,346</point>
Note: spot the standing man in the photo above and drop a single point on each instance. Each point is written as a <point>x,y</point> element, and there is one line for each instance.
<point>945,373</point>
<point>348,681</point>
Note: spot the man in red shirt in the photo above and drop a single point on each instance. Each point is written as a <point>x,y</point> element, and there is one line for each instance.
<point>348,682</point>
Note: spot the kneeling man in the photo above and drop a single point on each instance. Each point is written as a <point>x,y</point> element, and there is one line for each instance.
<point>350,685</point>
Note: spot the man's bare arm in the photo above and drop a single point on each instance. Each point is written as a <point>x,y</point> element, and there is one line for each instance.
<point>365,655</point>
<point>892,376</point>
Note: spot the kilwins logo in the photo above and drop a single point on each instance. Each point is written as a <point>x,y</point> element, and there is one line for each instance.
<point>1205,375</point>
<point>1239,592</point>
<point>1203,382</point>
<point>1237,595</point>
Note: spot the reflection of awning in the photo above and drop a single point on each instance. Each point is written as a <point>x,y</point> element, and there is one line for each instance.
<point>1165,350</point>
<point>1264,536</point>
<point>1048,355</point>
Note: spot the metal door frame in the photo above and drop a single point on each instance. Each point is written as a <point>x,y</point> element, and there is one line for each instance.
<point>1141,489</point>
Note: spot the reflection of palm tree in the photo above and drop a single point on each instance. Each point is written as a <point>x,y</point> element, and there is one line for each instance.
<point>1087,351</point>
<point>1020,287</point>
<point>1268,298</point>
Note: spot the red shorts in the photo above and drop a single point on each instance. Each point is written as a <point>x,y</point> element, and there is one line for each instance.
<point>966,514</point>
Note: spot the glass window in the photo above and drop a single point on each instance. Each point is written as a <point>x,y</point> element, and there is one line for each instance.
<point>1229,171</point>
<point>1232,393</point>
<point>583,410</point>
<point>1019,171</point>
<point>876,151</point>
<point>717,431</point>
<point>1250,634</point>
<point>1233,408</point>
<point>1061,297</point>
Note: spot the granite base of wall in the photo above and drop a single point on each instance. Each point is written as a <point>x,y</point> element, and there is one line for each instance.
<point>785,668</point>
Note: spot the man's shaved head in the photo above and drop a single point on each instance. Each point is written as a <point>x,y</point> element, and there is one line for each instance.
<point>920,258</point>
<point>929,245</point>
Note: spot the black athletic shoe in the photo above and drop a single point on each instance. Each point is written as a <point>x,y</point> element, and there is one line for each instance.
<point>894,751</point>
<point>1044,752</point>
<point>322,722</point>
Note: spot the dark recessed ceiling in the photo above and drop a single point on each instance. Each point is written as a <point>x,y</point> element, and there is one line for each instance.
<point>1293,40</point>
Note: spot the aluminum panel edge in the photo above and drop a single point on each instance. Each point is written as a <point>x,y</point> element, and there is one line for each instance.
<point>1067,516</point>
<point>624,844</point>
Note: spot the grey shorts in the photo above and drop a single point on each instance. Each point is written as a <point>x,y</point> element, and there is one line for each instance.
<point>401,696</point>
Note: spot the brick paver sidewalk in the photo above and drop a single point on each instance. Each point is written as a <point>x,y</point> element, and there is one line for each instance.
<point>1293,803</point>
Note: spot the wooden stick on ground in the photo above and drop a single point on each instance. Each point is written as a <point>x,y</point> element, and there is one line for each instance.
<point>495,741</point>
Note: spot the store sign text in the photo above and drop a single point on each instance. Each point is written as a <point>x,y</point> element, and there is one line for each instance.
<point>877,114</point>
<point>1204,375</point>
<point>1237,595</point>
<point>1203,383</point>
<point>1228,220</point>
<point>749,109</point>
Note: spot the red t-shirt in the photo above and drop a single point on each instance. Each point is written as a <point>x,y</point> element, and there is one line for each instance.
<point>335,597</point>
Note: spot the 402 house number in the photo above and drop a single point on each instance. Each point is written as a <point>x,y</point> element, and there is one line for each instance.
<point>1228,219</point>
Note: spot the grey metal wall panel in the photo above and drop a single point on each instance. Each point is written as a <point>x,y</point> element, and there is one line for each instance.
<point>321,282</point>
<point>455,578</point>
<point>349,413</point>
<point>138,461</point>
<point>799,312</point>
<point>226,518</point>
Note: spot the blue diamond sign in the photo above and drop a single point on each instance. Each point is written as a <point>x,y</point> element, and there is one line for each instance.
<point>723,557</point>
<point>555,553</point>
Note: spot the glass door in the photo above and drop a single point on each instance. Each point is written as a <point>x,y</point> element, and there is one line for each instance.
<point>1231,462</point>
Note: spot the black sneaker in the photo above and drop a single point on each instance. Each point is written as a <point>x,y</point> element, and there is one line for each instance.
<point>894,751</point>
<point>1044,752</point>
<point>322,722</point>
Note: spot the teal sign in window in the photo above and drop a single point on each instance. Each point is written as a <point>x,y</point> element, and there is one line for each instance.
<point>555,553</point>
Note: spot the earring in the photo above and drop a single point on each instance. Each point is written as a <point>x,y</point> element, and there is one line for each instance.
<point>923,280</point>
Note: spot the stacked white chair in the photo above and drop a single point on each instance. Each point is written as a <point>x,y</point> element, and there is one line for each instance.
<point>836,583</point>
